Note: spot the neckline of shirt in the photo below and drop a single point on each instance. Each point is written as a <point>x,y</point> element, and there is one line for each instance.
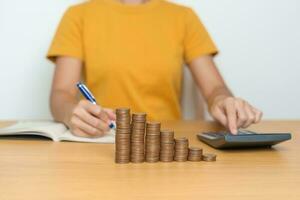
<point>132,7</point>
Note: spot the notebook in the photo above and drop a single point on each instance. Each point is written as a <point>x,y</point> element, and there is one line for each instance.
<point>55,131</point>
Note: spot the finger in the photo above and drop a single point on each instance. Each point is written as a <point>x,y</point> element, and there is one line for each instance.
<point>250,116</point>
<point>95,110</point>
<point>241,114</point>
<point>220,116</point>
<point>231,117</point>
<point>91,108</point>
<point>90,119</point>
<point>258,115</point>
<point>86,128</point>
<point>111,114</point>
<point>104,116</point>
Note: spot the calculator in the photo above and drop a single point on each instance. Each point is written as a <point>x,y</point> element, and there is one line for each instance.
<point>244,139</point>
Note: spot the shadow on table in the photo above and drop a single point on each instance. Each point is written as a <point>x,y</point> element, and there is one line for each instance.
<point>24,137</point>
<point>274,148</point>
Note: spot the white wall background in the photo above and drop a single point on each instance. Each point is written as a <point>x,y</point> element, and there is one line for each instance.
<point>259,41</point>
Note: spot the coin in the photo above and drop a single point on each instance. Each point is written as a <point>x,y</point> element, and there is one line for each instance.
<point>138,137</point>
<point>152,149</point>
<point>181,149</point>
<point>123,136</point>
<point>209,157</point>
<point>167,145</point>
<point>138,141</point>
<point>195,154</point>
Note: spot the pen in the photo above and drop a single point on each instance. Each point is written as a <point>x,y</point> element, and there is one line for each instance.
<point>89,96</point>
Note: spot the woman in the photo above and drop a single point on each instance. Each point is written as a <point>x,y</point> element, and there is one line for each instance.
<point>131,54</point>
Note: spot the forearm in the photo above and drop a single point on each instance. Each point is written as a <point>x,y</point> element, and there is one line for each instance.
<point>83,118</point>
<point>209,79</point>
<point>63,93</point>
<point>62,104</point>
<point>230,111</point>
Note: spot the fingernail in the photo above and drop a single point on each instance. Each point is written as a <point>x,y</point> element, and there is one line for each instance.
<point>234,131</point>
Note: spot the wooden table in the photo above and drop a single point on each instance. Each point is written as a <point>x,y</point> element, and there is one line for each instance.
<point>41,169</point>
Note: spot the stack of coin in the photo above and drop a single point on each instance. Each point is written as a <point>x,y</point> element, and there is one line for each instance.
<point>152,141</point>
<point>195,154</point>
<point>209,157</point>
<point>138,137</point>
<point>181,149</point>
<point>123,131</point>
<point>167,145</point>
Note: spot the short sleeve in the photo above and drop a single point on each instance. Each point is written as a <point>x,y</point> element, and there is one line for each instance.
<point>197,41</point>
<point>68,38</point>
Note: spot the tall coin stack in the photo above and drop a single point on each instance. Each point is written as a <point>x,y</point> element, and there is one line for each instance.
<point>123,131</point>
<point>138,137</point>
<point>195,154</point>
<point>152,141</point>
<point>181,149</point>
<point>167,146</point>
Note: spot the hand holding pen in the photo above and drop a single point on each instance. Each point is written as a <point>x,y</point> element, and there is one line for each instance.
<point>89,119</point>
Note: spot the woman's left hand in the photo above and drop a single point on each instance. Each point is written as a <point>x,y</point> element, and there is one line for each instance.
<point>234,113</point>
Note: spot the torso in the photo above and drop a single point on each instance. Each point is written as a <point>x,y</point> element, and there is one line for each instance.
<point>134,58</point>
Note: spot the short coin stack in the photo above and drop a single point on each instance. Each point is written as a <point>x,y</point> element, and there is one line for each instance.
<point>195,154</point>
<point>181,149</point>
<point>152,141</point>
<point>167,145</point>
<point>138,137</point>
<point>209,157</point>
<point>123,136</point>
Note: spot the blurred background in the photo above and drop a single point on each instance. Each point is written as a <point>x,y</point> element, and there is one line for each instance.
<point>259,44</point>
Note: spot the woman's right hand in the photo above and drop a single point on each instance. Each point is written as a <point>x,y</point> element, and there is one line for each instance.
<point>90,120</point>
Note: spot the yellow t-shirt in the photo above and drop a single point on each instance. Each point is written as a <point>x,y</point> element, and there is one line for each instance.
<point>133,54</point>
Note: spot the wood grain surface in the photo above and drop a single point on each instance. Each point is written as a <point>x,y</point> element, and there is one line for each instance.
<point>33,168</point>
